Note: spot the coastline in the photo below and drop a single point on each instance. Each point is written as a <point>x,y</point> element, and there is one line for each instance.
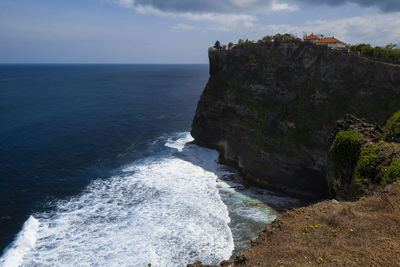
<point>251,208</point>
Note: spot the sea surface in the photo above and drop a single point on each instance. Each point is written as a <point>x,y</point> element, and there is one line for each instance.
<point>96,169</point>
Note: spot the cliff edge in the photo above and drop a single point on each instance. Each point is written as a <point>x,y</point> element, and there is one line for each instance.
<point>329,233</point>
<point>271,108</point>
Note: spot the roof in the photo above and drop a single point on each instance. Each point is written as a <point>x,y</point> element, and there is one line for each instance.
<point>329,40</point>
<point>311,37</point>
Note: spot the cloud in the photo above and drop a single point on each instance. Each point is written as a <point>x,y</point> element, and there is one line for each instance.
<point>378,29</point>
<point>210,6</point>
<point>384,5</point>
<point>246,6</point>
<point>227,15</point>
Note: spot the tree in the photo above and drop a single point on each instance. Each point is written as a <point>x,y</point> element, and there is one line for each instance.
<point>230,45</point>
<point>217,45</point>
<point>391,46</point>
<point>268,39</point>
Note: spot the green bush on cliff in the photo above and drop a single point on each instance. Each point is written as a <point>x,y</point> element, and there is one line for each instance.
<point>392,128</point>
<point>345,151</point>
<point>281,38</point>
<point>391,174</point>
<point>365,170</point>
<point>384,52</point>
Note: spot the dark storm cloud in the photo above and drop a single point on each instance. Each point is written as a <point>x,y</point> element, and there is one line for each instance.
<point>251,6</point>
<point>206,6</point>
<point>385,5</point>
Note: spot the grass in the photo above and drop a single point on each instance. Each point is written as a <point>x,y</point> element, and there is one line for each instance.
<point>369,235</point>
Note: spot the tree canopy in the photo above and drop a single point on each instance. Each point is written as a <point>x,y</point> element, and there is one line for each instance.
<point>217,45</point>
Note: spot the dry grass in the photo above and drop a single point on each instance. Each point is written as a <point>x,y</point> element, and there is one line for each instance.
<point>362,233</point>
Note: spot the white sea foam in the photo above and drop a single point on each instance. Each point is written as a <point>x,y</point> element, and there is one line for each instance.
<point>167,210</point>
<point>162,210</point>
<point>24,242</point>
<point>179,143</point>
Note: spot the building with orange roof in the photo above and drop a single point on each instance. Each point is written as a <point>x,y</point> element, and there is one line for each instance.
<point>331,42</point>
<point>312,38</point>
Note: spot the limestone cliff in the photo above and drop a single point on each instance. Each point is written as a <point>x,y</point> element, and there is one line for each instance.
<point>271,108</point>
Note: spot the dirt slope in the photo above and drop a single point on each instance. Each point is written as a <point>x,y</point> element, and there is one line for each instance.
<point>362,233</point>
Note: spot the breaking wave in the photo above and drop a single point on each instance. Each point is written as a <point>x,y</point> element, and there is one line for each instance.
<point>169,209</point>
<point>164,210</point>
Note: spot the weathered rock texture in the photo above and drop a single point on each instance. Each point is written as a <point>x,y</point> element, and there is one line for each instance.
<point>270,109</point>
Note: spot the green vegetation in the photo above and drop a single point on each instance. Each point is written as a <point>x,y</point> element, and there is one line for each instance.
<point>392,128</point>
<point>391,174</point>
<point>336,231</point>
<point>345,151</point>
<point>217,45</point>
<point>365,170</point>
<point>319,260</point>
<point>275,38</point>
<point>308,228</point>
<point>282,37</point>
<point>384,52</point>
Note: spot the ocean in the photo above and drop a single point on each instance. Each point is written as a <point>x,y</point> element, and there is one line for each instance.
<point>96,169</point>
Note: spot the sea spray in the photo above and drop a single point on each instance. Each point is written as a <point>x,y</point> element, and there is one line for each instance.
<point>24,242</point>
<point>167,209</point>
<point>164,210</point>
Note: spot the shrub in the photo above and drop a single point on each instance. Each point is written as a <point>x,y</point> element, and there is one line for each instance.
<point>391,174</point>
<point>285,37</point>
<point>345,151</point>
<point>267,39</point>
<point>384,52</point>
<point>392,128</point>
<point>217,45</point>
<point>365,170</point>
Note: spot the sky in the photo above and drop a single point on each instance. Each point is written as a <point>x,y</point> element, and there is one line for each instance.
<point>177,31</point>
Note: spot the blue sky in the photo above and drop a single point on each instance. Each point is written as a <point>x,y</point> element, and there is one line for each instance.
<point>177,31</point>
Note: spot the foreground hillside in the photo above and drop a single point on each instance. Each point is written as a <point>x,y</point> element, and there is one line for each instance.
<point>362,233</point>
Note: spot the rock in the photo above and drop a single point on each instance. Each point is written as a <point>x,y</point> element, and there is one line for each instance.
<point>271,110</point>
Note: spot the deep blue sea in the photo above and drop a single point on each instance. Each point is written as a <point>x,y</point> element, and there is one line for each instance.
<point>96,169</point>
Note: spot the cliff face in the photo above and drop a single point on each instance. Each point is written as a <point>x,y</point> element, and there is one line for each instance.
<point>271,109</point>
